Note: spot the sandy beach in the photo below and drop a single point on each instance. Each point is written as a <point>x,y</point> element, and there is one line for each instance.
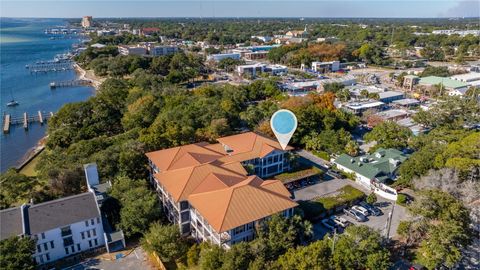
<point>88,75</point>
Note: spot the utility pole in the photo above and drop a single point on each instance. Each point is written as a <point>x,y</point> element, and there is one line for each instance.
<point>334,239</point>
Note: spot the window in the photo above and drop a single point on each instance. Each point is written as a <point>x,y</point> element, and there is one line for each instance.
<point>86,223</point>
<point>51,244</point>
<point>94,232</point>
<point>67,241</point>
<point>45,246</point>
<point>43,235</point>
<point>90,243</point>
<point>98,220</point>
<point>183,205</point>
<point>41,258</point>
<point>185,228</point>
<point>185,216</point>
<point>78,247</point>
<point>66,251</point>
<point>39,248</point>
<point>275,159</point>
<point>92,221</point>
<point>83,235</point>
<point>48,256</point>
<point>96,242</point>
<point>72,248</point>
<point>66,231</point>
<point>88,234</point>
<point>250,226</point>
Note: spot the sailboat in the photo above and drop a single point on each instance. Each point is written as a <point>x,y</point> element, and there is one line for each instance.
<point>12,102</point>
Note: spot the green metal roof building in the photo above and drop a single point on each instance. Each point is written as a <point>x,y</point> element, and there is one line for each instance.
<point>380,165</point>
<point>446,82</point>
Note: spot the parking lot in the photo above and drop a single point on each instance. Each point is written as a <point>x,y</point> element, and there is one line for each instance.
<point>378,223</point>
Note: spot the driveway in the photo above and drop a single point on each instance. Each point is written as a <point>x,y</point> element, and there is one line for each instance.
<point>321,163</point>
<point>135,260</point>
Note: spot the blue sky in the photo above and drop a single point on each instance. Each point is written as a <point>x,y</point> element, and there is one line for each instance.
<point>245,8</point>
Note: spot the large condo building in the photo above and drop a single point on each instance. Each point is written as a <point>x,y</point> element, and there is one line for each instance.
<point>214,191</point>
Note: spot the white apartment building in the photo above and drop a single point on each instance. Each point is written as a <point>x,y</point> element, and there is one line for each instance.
<point>163,50</point>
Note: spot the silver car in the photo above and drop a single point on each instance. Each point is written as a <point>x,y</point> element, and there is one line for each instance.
<point>354,214</point>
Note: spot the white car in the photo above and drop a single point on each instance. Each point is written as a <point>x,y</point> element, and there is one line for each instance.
<point>361,210</point>
<point>340,221</point>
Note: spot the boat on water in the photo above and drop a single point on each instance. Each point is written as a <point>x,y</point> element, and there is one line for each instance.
<point>13,103</point>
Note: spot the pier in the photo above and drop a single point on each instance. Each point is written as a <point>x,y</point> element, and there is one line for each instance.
<point>72,83</point>
<point>25,120</point>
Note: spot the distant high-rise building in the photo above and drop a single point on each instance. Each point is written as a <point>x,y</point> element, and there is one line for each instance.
<point>87,21</point>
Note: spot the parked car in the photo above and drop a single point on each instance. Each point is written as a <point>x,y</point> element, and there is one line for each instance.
<point>329,224</point>
<point>361,210</point>
<point>354,214</point>
<point>340,221</point>
<point>373,210</point>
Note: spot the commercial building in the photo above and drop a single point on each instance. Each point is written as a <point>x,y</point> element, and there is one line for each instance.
<point>453,87</point>
<point>390,96</point>
<point>472,78</point>
<point>406,102</point>
<point>256,55</point>
<point>132,50</point>
<point>64,227</point>
<point>221,56</point>
<point>325,67</point>
<point>149,31</point>
<point>207,191</point>
<point>162,50</point>
<point>373,170</point>
<point>360,107</point>
<point>251,69</point>
<point>87,21</point>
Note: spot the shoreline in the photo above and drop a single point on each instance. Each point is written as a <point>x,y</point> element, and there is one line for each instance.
<point>88,75</point>
<point>34,151</point>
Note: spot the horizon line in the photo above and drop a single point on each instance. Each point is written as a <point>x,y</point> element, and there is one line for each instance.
<point>243,17</point>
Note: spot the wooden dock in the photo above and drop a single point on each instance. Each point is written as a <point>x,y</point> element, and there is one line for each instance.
<point>25,120</point>
<point>72,83</point>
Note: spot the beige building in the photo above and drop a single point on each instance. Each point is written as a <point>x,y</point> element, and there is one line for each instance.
<point>87,21</point>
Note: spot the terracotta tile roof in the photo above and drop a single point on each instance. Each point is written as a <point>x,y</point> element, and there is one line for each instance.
<point>217,182</point>
<point>247,201</point>
<point>182,182</point>
<point>183,156</point>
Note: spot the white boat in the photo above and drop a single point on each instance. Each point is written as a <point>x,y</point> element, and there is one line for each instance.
<point>12,103</point>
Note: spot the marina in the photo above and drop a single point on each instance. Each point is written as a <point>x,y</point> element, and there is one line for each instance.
<point>50,66</point>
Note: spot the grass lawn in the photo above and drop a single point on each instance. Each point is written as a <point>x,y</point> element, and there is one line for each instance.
<point>322,155</point>
<point>297,175</point>
<point>344,196</point>
<point>29,169</point>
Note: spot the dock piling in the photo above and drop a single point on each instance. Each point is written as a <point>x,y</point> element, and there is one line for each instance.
<point>40,117</point>
<point>6,123</point>
<point>25,120</point>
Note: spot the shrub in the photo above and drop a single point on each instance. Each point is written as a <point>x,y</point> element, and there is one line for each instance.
<point>402,199</point>
<point>372,198</point>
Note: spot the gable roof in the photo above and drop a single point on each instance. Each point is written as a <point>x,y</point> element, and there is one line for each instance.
<point>11,222</point>
<point>65,211</point>
<point>247,201</point>
<point>376,165</point>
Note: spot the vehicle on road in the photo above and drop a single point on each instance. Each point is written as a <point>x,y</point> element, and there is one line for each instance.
<point>361,210</point>
<point>355,215</point>
<point>373,210</point>
<point>329,224</point>
<point>340,221</point>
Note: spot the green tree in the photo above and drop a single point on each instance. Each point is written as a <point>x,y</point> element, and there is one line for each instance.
<point>360,247</point>
<point>211,257</point>
<point>389,135</point>
<point>371,198</point>
<point>139,205</point>
<point>316,255</point>
<point>16,253</point>
<point>238,257</point>
<point>16,188</point>
<point>165,241</point>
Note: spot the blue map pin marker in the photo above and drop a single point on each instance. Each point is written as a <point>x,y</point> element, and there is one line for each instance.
<point>283,124</point>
